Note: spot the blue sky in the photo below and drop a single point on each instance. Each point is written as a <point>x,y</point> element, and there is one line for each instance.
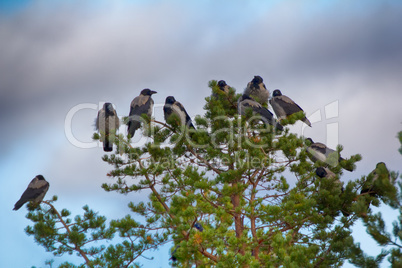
<point>55,56</point>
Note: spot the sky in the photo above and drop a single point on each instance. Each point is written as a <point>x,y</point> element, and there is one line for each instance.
<point>341,61</point>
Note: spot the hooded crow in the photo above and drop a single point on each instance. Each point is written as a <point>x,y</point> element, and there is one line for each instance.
<point>377,183</point>
<point>174,107</point>
<point>257,90</point>
<point>373,184</point>
<point>223,86</point>
<point>143,104</point>
<point>284,106</point>
<point>35,192</point>
<point>246,102</point>
<point>107,122</point>
<point>324,172</point>
<point>320,152</point>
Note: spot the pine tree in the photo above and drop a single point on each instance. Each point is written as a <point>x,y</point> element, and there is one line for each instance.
<point>234,192</point>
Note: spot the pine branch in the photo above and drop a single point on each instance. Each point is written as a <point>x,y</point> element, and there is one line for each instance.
<point>76,248</point>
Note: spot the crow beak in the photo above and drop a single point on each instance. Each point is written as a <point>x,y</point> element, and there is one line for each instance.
<point>153,92</point>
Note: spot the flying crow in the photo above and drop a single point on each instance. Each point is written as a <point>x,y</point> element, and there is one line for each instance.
<point>320,152</point>
<point>107,122</point>
<point>35,192</point>
<point>246,102</point>
<point>174,107</point>
<point>143,104</point>
<point>257,90</point>
<point>284,106</point>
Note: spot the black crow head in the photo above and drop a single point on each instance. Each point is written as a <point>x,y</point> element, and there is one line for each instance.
<point>257,79</point>
<point>310,141</point>
<point>222,84</point>
<point>170,100</point>
<point>147,92</point>
<point>108,108</point>
<point>321,172</point>
<point>40,177</point>
<point>276,93</point>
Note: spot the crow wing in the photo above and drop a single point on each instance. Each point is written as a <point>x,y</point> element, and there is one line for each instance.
<point>287,104</point>
<point>321,148</point>
<point>140,105</point>
<point>248,103</point>
<point>184,114</point>
<point>100,118</point>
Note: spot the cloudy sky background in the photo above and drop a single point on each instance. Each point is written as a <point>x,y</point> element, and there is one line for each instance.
<point>60,57</point>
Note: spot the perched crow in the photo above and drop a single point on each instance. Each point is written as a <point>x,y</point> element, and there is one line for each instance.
<point>320,152</point>
<point>324,172</point>
<point>143,104</point>
<point>378,184</point>
<point>35,192</point>
<point>257,90</point>
<point>223,86</point>
<point>284,106</point>
<point>372,186</point>
<point>174,107</point>
<point>106,122</point>
<point>267,117</point>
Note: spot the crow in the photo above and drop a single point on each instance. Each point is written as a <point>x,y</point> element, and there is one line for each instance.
<point>174,107</point>
<point>320,152</point>
<point>284,106</point>
<point>324,172</point>
<point>223,86</point>
<point>142,104</point>
<point>107,122</point>
<point>257,90</point>
<point>377,184</point>
<point>372,186</point>
<point>246,102</point>
<point>35,192</point>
